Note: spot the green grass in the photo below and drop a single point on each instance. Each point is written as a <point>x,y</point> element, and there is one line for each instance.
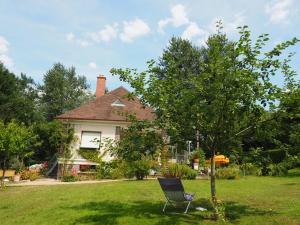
<point>250,200</point>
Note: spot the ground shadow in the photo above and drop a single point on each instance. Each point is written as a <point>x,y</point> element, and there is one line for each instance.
<point>106,212</point>
<point>234,211</point>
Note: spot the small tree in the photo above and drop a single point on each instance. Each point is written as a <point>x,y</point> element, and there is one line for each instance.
<point>224,99</point>
<point>16,140</point>
<point>137,146</point>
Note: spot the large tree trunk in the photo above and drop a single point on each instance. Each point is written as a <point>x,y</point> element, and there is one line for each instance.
<point>213,183</point>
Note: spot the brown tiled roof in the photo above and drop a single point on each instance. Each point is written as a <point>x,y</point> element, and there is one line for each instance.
<point>101,108</point>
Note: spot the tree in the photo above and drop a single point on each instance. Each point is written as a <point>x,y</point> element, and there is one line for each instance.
<point>224,100</point>
<point>137,146</point>
<point>63,90</point>
<point>16,140</point>
<point>18,98</point>
<point>55,139</point>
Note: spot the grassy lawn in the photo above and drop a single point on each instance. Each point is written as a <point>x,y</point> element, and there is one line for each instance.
<point>250,200</point>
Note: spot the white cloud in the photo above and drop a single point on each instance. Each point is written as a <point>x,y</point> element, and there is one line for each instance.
<point>279,11</point>
<point>192,31</point>
<point>178,18</point>
<point>107,34</point>
<point>3,45</point>
<point>83,43</point>
<point>134,29</point>
<point>70,37</point>
<point>4,58</point>
<point>93,65</point>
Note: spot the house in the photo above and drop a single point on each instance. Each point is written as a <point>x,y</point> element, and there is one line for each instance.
<point>101,119</point>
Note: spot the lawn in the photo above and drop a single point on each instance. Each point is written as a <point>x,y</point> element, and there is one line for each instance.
<point>250,200</point>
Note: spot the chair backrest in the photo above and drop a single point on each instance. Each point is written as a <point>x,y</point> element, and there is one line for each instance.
<point>172,188</point>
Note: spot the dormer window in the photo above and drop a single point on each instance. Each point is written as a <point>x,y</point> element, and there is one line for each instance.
<point>117,103</point>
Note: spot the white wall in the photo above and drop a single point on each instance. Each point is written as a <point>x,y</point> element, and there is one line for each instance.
<point>107,130</point>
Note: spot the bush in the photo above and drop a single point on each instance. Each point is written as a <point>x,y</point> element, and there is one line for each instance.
<point>292,162</point>
<point>91,155</point>
<point>140,168</point>
<point>103,170</point>
<point>29,175</point>
<point>200,155</point>
<point>279,169</point>
<point>181,171</point>
<point>230,173</point>
<point>69,178</point>
<point>114,170</point>
<point>250,169</point>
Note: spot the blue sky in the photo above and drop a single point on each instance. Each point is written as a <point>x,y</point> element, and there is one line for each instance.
<point>95,36</point>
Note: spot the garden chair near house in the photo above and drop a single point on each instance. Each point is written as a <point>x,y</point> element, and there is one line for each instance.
<point>174,192</point>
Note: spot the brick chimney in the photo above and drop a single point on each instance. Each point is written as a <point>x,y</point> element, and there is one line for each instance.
<point>100,89</point>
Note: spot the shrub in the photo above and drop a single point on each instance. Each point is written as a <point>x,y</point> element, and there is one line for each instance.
<point>250,169</point>
<point>200,155</point>
<point>69,178</point>
<point>29,175</point>
<point>292,162</point>
<point>140,168</point>
<point>91,155</point>
<point>231,172</point>
<point>114,170</point>
<point>180,171</point>
<point>103,170</point>
<point>279,169</point>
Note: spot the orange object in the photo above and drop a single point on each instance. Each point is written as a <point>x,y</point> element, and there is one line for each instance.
<point>219,160</point>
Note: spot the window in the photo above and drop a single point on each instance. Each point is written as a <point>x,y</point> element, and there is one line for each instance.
<point>117,103</point>
<point>90,139</point>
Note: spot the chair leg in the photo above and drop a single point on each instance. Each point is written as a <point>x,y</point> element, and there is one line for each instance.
<point>165,206</point>
<point>187,207</point>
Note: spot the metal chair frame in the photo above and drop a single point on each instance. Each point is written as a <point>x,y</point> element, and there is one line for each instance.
<point>174,192</point>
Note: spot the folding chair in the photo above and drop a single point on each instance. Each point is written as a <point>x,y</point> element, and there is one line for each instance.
<point>174,192</point>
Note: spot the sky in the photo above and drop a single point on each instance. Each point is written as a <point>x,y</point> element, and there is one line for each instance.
<point>95,36</point>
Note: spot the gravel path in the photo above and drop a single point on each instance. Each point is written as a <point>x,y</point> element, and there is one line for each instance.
<point>50,181</point>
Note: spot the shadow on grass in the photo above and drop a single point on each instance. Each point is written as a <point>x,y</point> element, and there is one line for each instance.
<point>234,211</point>
<point>105,212</point>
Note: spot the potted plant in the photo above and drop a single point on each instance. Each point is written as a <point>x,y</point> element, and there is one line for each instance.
<point>18,167</point>
<point>198,157</point>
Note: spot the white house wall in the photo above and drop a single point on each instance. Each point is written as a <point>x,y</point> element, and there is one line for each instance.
<point>107,129</point>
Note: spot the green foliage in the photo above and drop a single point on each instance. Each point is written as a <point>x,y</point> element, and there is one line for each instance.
<point>199,154</point>
<point>17,165</point>
<point>279,169</point>
<point>230,173</point>
<point>55,137</point>
<point>292,161</point>
<point>63,90</point>
<point>16,142</point>
<point>103,170</point>
<point>224,98</point>
<point>18,98</point>
<point>140,168</point>
<point>69,178</point>
<point>181,171</point>
<point>114,169</point>
<point>91,155</point>
<point>136,141</point>
<point>137,147</point>
<point>29,175</point>
<point>250,169</point>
